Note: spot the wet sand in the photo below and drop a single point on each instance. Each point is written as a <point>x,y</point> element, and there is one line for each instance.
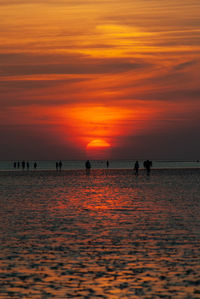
<point>104,235</point>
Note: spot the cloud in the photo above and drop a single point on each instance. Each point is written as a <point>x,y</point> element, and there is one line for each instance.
<point>20,65</point>
<point>55,2</point>
<point>185,64</point>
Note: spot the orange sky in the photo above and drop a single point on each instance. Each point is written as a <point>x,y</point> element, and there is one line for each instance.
<point>124,72</point>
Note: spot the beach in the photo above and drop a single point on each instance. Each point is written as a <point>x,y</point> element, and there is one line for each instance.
<point>101,234</point>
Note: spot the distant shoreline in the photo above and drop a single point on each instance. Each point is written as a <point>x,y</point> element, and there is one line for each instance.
<point>95,164</point>
<point>142,171</point>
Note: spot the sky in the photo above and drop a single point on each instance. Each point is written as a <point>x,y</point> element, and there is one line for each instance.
<point>107,79</point>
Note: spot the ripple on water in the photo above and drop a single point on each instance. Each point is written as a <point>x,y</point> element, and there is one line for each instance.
<point>107,235</point>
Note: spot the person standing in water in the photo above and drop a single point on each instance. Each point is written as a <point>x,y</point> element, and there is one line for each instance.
<point>136,168</point>
<point>107,163</point>
<point>60,165</point>
<point>87,166</point>
<point>23,165</point>
<point>148,165</point>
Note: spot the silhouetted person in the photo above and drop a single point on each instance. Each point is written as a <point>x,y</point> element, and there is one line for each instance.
<point>147,165</point>
<point>60,165</point>
<point>14,164</point>
<point>35,165</point>
<point>107,163</point>
<point>27,165</point>
<point>18,164</point>
<point>136,167</point>
<point>87,165</point>
<point>56,165</point>
<point>23,165</point>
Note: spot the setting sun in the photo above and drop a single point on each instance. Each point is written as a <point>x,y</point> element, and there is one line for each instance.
<point>98,149</point>
<point>98,143</point>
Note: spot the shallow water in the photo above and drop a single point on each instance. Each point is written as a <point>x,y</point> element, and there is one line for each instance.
<point>100,164</point>
<point>106,234</point>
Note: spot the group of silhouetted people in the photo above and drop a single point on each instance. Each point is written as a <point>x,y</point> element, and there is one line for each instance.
<point>59,165</point>
<point>24,165</point>
<point>147,165</point>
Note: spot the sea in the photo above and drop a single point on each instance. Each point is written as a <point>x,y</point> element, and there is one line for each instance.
<point>103,233</point>
<point>101,164</point>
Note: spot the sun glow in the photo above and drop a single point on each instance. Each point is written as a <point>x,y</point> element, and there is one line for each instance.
<point>96,143</point>
<point>98,149</point>
<point>94,126</point>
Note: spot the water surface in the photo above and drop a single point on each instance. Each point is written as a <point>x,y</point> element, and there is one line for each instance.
<point>107,234</point>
